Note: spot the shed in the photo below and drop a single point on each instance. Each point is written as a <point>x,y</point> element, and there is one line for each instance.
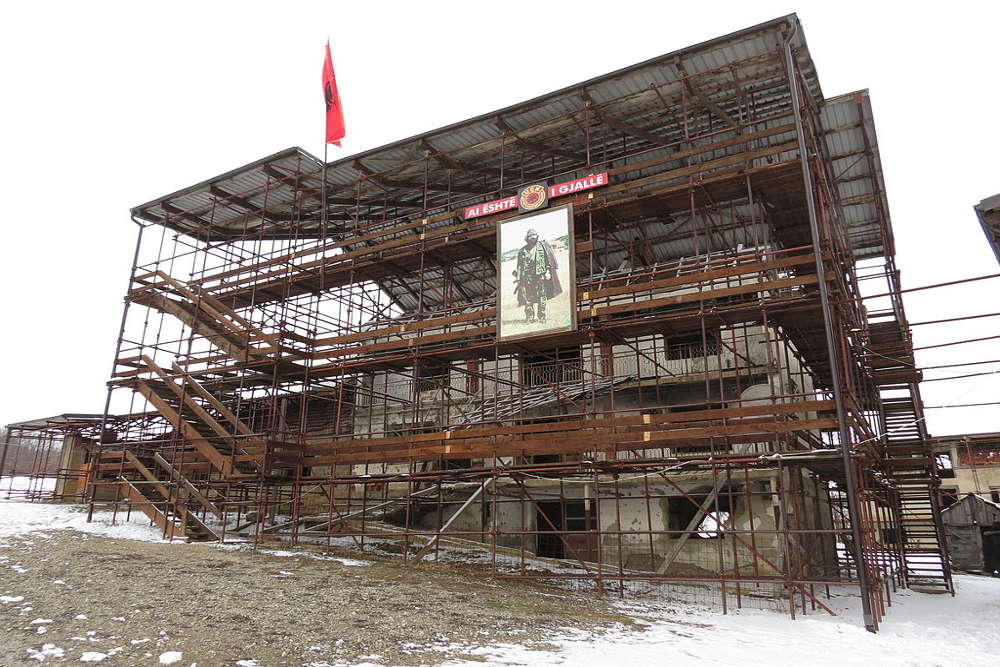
<point>973,528</point>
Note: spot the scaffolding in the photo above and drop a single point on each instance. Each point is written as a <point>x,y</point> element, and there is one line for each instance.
<point>309,352</point>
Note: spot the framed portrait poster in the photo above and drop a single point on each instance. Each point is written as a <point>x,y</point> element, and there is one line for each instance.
<point>536,281</point>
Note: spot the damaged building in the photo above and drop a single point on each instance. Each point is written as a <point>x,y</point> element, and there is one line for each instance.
<point>673,388</point>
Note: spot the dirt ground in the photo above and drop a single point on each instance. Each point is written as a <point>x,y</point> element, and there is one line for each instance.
<point>134,601</point>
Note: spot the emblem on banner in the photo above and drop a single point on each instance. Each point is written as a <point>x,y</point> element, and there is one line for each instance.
<point>532,197</point>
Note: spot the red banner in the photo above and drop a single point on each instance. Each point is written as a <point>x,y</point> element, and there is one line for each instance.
<point>569,187</point>
<point>557,190</point>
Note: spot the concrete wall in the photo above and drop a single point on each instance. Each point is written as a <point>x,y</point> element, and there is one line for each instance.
<point>636,532</point>
<point>69,488</point>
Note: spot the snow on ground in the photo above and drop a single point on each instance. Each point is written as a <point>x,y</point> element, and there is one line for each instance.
<point>18,518</point>
<point>284,553</point>
<point>919,629</point>
<point>13,487</point>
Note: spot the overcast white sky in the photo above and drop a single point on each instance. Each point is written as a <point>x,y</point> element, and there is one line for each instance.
<point>105,107</point>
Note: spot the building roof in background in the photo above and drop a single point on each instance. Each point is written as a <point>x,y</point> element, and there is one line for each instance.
<point>988,212</point>
<point>69,420</point>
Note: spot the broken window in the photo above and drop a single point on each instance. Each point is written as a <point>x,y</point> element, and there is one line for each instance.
<point>683,512</point>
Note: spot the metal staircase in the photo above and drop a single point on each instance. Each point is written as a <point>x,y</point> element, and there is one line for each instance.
<point>909,457</point>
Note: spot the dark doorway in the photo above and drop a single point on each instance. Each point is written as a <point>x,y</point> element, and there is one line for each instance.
<point>549,544</point>
<point>991,549</point>
<point>570,515</point>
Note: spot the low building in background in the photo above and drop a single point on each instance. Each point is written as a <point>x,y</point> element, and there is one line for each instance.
<point>972,525</point>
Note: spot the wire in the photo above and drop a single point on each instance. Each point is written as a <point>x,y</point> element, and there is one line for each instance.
<point>956,342</point>
<point>952,319</point>
<point>967,363</point>
<point>922,287</point>
<point>959,377</point>
<point>963,405</point>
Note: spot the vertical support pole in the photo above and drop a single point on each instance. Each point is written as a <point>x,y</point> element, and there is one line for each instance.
<point>91,492</point>
<point>835,363</point>
<point>3,459</point>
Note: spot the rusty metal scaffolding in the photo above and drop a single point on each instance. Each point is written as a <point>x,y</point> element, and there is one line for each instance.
<point>308,352</point>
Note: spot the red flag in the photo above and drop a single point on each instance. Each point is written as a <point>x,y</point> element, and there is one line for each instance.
<point>334,112</point>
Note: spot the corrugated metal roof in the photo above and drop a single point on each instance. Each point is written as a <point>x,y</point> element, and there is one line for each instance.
<point>545,139</point>
<point>856,170</point>
<point>262,199</point>
<point>252,198</point>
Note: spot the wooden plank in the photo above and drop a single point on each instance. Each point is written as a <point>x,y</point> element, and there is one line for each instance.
<point>145,472</point>
<point>190,488</point>
<point>193,298</point>
<point>704,295</point>
<point>186,399</point>
<point>218,310</point>
<point>702,276</point>
<point>203,446</point>
<point>407,342</point>
<point>419,325</point>
<point>213,401</point>
<point>576,425</point>
<point>488,313</point>
<point>221,339</point>
<point>189,518</point>
<point>584,314</point>
<point>735,434</point>
<point>137,499</point>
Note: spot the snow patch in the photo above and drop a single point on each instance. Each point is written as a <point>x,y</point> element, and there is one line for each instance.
<point>170,657</point>
<point>281,553</point>
<point>21,518</point>
<point>47,651</point>
<point>92,656</point>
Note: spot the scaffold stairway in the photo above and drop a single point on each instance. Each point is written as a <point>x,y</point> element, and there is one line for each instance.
<point>169,503</point>
<point>206,315</point>
<point>910,458</point>
<point>217,434</point>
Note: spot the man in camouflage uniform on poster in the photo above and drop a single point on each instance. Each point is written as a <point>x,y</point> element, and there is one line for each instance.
<point>537,280</point>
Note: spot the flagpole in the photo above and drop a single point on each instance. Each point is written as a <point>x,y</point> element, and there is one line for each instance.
<point>323,203</point>
<point>326,148</point>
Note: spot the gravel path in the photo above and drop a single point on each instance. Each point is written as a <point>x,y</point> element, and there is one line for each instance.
<point>134,601</point>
